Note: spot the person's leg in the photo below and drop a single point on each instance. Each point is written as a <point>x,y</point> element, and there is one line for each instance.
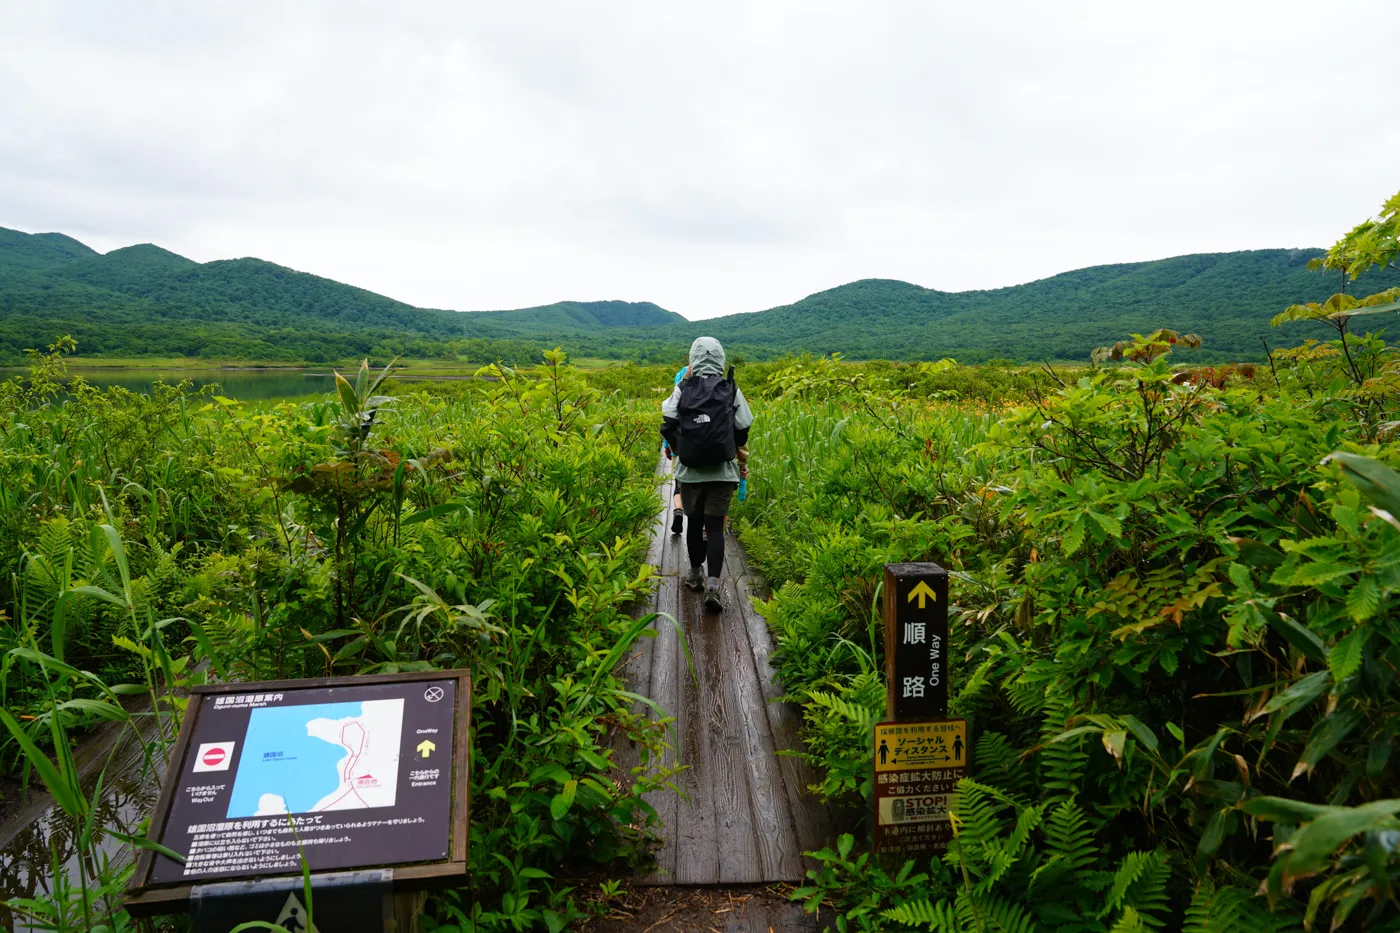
<point>695,543</point>
<point>716,507</point>
<point>677,512</point>
<point>693,497</point>
<point>714,547</point>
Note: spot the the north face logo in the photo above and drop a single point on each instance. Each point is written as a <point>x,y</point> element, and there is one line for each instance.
<point>702,419</point>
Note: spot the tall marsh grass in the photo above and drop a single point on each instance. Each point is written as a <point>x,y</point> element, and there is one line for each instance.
<point>149,540</point>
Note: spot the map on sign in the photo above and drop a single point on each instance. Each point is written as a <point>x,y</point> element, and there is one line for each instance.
<point>318,757</point>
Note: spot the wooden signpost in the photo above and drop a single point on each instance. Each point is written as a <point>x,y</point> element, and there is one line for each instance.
<point>916,641</point>
<point>920,754</point>
<point>364,780</point>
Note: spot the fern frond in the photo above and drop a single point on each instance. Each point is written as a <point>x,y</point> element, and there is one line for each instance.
<point>998,762</point>
<point>1026,698</point>
<point>974,686</point>
<point>978,808</point>
<point>1130,922</point>
<point>990,914</point>
<point>861,715</point>
<point>983,844</point>
<point>1140,883</point>
<point>60,536</point>
<point>1069,841</point>
<point>938,916</point>
<point>1069,836</point>
<point>1231,909</point>
<point>1063,763</point>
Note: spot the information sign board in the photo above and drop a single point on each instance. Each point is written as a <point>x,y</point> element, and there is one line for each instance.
<point>917,769</point>
<point>341,773</point>
<point>916,641</point>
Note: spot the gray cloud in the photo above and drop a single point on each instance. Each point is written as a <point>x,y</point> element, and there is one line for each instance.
<point>716,158</point>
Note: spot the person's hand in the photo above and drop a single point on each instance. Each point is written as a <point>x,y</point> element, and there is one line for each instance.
<point>743,471</point>
<point>668,453</point>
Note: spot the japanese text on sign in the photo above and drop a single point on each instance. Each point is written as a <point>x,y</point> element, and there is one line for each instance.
<point>916,641</point>
<point>906,745</point>
<point>917,769</point>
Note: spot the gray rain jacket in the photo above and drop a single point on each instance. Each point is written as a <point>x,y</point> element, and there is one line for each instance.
<point>707,359</point>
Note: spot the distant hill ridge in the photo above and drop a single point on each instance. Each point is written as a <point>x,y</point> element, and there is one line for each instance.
<point>1227,298</point>
<point>591,314</point>
<point>146,300</point>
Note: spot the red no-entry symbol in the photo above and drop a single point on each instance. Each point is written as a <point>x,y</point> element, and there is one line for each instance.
<point>214,756</point>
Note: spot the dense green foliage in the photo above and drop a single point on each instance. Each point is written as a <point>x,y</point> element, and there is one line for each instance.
<point>143,537</point>
<point>1176,619</point>
<point>143,300</point>
<point>1174,635</point>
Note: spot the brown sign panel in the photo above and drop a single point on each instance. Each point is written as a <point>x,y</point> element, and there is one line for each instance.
<point>338,773</point>
<point>917,769</point>
<point>916,641</point>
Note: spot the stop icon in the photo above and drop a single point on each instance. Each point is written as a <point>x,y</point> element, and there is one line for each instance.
<point>213,756</point>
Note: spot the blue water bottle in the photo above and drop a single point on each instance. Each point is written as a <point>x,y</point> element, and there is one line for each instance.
<point>743,488</point>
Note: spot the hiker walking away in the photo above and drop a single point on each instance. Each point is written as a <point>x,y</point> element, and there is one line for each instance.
<point>677,509</point>
<point>706,422</point>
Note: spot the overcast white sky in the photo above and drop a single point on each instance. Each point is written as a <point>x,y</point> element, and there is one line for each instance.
<point>712,157</point>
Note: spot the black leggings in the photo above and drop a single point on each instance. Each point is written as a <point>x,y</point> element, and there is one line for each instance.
<point>701,550</point>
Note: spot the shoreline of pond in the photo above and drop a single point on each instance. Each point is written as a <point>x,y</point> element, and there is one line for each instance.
<point>243,384</point>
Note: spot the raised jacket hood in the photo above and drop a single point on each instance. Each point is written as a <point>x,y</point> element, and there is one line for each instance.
<point>706,357</point>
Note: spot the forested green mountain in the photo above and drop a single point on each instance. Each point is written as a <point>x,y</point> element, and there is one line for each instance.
<point>589,314</point>
<point>1227,298</point>
<point>30,250</point>
<point>144,300</point>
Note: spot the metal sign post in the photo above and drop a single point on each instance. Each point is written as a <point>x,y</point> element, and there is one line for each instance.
<point>920,755</point>
<point>363,781</point>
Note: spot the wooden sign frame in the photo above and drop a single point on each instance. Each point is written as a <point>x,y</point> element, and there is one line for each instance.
<point>145,898</point>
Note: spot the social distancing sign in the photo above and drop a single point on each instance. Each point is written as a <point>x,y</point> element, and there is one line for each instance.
<point>917,769</point>
<point>900,746</point>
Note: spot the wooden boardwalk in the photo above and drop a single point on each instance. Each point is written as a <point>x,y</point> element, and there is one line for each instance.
<point>746,817</point>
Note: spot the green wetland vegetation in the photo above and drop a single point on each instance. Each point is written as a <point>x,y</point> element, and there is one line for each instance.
<point>154,540</point>
<point>1175,635</point>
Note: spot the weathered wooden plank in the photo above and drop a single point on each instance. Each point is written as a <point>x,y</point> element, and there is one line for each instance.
<point>650,669</point>
<point>812,820</point>
<point>738,839</point>
<point>636,669</point>
<point>774,828</point>
<point>697,836</point>
<point>764,915</point>
<point>668,668</point>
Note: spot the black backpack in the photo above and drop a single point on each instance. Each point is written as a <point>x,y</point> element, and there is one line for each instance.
<point>706,418</point>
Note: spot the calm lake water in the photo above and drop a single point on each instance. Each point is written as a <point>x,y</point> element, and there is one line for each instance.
<point>242,384</point>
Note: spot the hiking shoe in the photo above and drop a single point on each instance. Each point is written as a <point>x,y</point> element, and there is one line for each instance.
<point>677,522</point>
<point>714,600</point>
<point>694,579</point>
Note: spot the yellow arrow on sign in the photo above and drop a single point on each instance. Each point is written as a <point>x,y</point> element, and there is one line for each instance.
<point>923,591</point>
<point>426,746</point>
